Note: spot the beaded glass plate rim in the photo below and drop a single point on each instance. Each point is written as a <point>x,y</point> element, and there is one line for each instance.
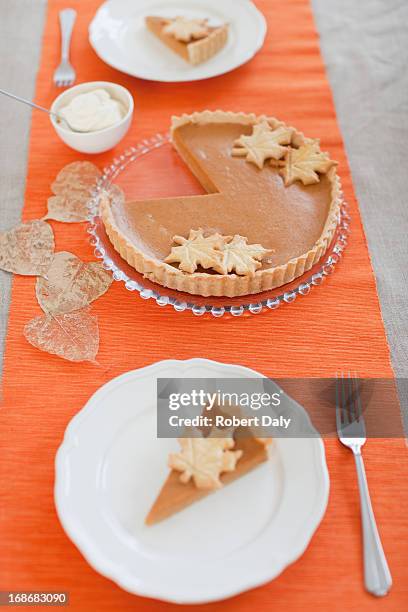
<point>147,145</point>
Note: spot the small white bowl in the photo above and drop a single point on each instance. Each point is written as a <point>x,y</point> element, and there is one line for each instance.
<point>102,140</point>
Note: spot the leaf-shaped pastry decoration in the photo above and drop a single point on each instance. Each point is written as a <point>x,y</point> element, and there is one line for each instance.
<point>71,284</point>
<point>304,163</point>
<point>204,460</point>
<point>264,143</point>
<point>73,189</point>
<point>73,336</point>
<point>196,250</point>
<point>240,257</point>
<point>186,29</point>
<point>27,248</point>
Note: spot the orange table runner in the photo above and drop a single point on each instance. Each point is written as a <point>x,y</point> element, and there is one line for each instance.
<point>337,326</point>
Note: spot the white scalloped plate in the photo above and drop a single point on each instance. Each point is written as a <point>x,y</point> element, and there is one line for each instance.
<point>111,465</point>
<point>120,38</point>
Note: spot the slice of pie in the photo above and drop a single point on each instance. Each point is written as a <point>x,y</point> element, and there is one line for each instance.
<point>270,212</point>
<point>193,39</point>
<point>203,466</point>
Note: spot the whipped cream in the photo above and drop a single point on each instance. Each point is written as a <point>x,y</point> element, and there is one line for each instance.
<point>92,111</point>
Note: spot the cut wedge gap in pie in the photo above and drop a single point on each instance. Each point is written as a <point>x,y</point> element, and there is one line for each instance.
<point>192,39</point>
<point>273,199</point>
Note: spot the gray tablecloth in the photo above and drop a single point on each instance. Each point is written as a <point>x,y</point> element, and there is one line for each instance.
<point>21,24</point>
<point>364,45</point>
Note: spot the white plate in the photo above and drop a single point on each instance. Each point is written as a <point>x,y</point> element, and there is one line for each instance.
<point>119,36</point>
<point>111,465</point>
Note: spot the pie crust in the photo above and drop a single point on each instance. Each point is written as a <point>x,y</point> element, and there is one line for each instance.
<point>328,200</point>
<point>195,51</point>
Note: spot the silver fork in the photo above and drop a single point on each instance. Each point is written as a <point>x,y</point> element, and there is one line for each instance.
<point>352,433</point>
<point>64,76</point>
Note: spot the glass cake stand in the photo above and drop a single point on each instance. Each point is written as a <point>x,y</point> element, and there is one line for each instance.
<point>153,169</point>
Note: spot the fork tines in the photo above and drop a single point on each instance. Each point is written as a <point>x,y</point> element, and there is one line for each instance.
<point>64,76</point>
<point>349,413</point>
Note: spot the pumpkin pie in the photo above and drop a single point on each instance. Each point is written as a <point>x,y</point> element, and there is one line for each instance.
<point>203,466</point>
<point>193,39</point>
<point>269,215</point>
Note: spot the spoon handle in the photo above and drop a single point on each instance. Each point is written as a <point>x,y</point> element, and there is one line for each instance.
<point>41,108</point>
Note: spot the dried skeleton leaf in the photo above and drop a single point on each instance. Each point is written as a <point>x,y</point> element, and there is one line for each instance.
<point>73,336</point>
<point>71,284</point>
<point>27,249</point>
<point>72,188</point>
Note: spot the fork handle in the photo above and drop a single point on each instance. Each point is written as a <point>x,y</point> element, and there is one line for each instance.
<point>67,19</point>
<point>377,576</point>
